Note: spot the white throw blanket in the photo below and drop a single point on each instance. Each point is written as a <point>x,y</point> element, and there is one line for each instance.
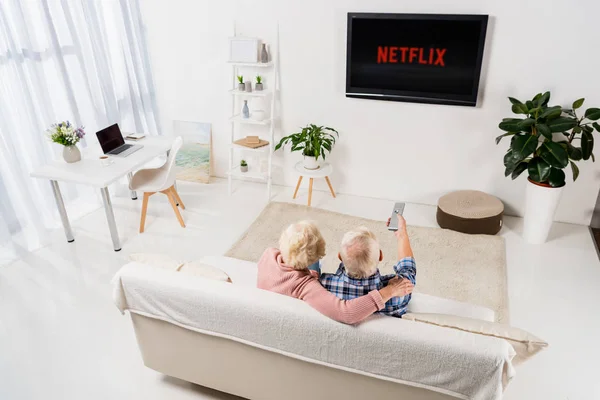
<point>453,362</point>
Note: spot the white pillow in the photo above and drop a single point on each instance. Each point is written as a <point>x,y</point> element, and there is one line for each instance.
<point>204,270</point>
<point>190,268</point>
<point>526,345</point>
<point>156,260</point>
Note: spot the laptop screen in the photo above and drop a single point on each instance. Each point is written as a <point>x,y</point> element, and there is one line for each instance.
<point>110,138</point>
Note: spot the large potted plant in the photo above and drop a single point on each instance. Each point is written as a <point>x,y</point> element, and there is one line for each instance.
<point>545,141</point>
<point>313,141</point>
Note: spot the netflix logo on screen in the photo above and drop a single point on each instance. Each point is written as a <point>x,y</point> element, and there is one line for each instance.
<point>410,55</point>
<point>415,57</point>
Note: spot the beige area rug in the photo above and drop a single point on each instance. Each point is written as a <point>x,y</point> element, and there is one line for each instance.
<point>468,268</point>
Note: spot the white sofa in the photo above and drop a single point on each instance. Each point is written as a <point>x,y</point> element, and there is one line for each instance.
<point>260,345</point>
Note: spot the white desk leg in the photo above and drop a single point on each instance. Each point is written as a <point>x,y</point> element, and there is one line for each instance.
<point>110,216</point>
<point>133,192</point>
<point>61,210</point>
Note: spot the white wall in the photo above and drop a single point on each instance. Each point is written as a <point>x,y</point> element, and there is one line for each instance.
<point>403,151</point>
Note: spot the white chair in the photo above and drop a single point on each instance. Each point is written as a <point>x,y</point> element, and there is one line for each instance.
<point>155,180</point>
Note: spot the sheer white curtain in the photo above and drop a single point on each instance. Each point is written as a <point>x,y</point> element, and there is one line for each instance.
<point>85,61</point>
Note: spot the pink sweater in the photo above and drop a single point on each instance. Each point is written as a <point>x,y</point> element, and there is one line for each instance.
<point>277,277</point>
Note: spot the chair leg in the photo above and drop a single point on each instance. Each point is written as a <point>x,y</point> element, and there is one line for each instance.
<point>174,191</point>
<point>144,209</point>
<point>297,187</point>
<point>174,205</point>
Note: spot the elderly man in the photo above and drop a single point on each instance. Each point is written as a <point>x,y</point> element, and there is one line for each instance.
<point>358,274</point>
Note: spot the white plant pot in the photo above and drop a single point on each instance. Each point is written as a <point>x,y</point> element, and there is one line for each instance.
<point>311,163</point>
<point>540,206</point>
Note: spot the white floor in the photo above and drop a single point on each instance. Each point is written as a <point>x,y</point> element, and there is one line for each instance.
<point>61,337</point>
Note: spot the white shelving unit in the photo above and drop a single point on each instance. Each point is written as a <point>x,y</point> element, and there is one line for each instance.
<point>238,124</point>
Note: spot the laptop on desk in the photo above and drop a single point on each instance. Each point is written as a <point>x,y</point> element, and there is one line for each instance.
<point>112,142</point>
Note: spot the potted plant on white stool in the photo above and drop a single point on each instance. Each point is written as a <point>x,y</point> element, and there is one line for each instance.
<point>314,142</point>
<point>543,143</point>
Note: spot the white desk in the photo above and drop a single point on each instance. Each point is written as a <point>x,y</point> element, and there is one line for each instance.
<point>89,171</point>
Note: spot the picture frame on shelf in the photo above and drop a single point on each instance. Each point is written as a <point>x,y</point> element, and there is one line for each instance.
<point>243,49</point>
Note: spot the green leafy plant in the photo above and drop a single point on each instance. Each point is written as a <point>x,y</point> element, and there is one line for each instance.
<point>313,140</point>
<point>548,139</point>
<point>258,79</point>
<point>243,163</point>
<point>240,78</point>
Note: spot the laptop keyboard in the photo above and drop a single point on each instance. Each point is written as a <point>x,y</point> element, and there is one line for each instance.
<point>121,149</point>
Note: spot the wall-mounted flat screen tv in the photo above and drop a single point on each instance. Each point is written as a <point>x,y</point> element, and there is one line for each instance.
<point>423,58</point>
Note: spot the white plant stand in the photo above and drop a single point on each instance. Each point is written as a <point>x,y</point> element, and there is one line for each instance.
<point>238,123</point>
<point>323,172</point>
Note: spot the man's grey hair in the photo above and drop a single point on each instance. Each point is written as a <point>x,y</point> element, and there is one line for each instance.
<point>360,252</point>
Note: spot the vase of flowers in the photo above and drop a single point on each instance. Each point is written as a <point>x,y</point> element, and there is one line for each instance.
<point>64,133</point>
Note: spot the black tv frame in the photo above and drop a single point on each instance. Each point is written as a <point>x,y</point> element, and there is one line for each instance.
<point>414,96</point>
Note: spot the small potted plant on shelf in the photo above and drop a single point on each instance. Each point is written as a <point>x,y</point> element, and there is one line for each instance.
<point>543,143</point>
<point>259,84</point>
<point>243,166</point>
<point>64,133</point>
<point>314,142</point>
<point>241,85</point>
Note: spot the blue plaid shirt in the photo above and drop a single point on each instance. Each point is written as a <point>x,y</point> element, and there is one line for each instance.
<point>347,288</point>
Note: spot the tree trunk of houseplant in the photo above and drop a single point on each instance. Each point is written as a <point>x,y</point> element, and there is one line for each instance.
<point>71,154</point>
<point>311,162</point>
<point>541,201</point>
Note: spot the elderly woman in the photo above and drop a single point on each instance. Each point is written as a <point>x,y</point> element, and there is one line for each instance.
<point>285,271</point>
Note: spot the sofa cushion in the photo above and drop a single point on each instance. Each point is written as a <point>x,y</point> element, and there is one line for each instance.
<point>525,344</point>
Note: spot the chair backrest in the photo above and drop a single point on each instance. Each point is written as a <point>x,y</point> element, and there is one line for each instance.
<point>170,164</point>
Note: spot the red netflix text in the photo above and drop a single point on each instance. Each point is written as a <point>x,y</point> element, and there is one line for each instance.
<point>411,55</point>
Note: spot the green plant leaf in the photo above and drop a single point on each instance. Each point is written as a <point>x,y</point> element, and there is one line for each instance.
<point>575,170</point>
<point>577,129</point>
<point>554,154</point>
<point>499,138</point>
<point>592,113</point>
<point>573,152</point>
<point>514,101</point>
<point>522,166</point>
<point>543,99</point>
<point>526,123</point>
<point>587,144</point>
<point>529,104</point>
<point>520,109</point>
<point>578,103</point>
<point>509,159</point>
<point>551,112</point>
<point>587,128</point>
<point>561,124</point>
<point>523,146</point>
<point>544,130</point>
<point>538,170</point>
<point>596,126</point>
<point>556,178</point>
<point>510,125</point>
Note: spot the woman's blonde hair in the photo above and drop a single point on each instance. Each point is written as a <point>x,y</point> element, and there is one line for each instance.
<point>301,245</point>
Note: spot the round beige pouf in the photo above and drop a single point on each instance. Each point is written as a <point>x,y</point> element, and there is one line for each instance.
<point>470,211</point>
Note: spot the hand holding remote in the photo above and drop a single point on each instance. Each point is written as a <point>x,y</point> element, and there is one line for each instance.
<point>401,225</point>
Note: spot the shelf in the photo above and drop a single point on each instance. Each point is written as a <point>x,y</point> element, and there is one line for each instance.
<point>236,173</point>
<point>238,118</point>
<point>264,149</point>
<point>254,93</point>
<point>246,64</point>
